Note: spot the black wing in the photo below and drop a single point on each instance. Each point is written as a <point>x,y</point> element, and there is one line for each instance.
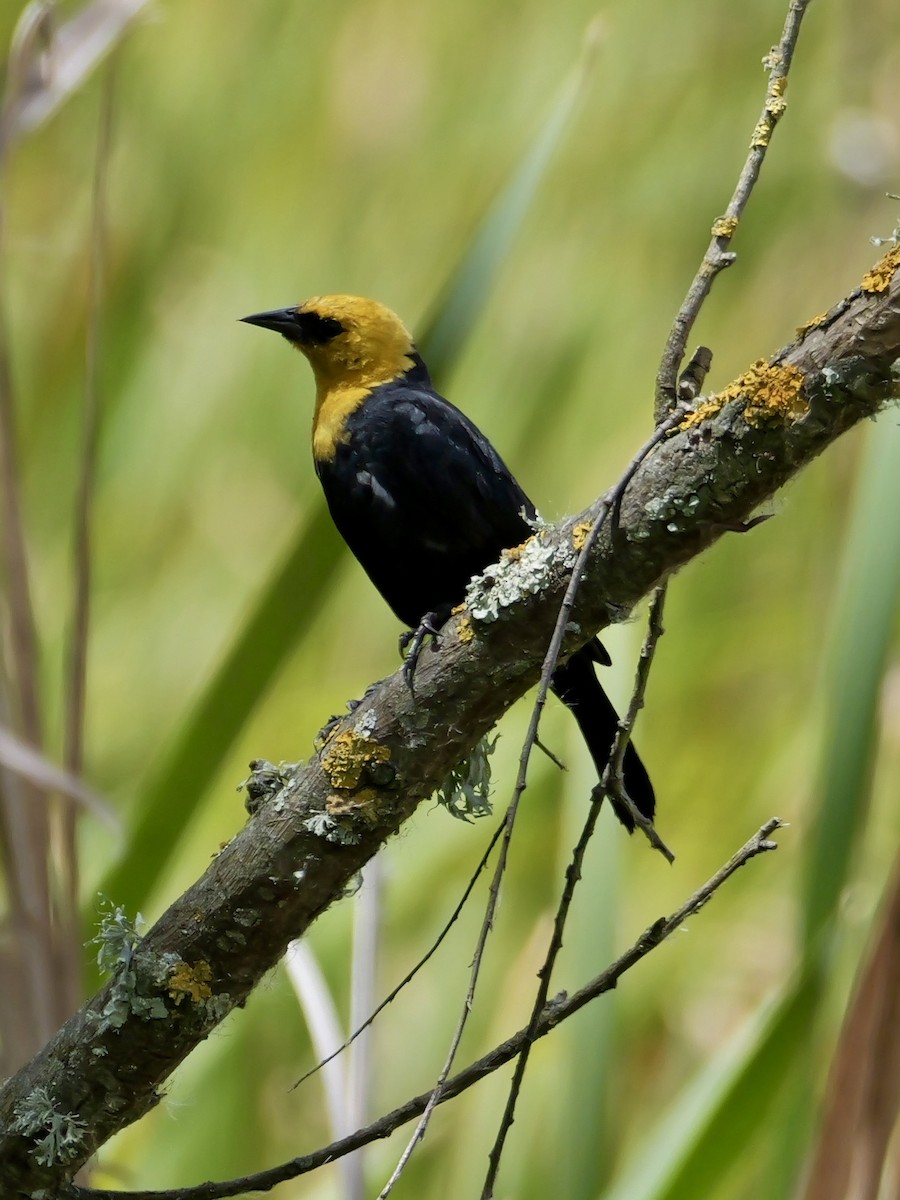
<point>422,498</point>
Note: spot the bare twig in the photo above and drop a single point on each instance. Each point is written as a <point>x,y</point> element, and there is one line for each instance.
<point>667,401</point>
<point>692,378</point>
<point>53,60</point>
<point>411,974</point>
<point>718,256</point>
<point>611,782</point>
<point>487,925</point>
<point>554,1013</point>
<point>609,504</point>
<point>31,764</point>
<point>557,762</point>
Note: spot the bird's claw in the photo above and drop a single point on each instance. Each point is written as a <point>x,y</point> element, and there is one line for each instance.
<point>415,640</point>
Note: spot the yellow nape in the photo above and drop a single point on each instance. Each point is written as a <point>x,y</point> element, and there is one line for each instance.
<point>374,348</point>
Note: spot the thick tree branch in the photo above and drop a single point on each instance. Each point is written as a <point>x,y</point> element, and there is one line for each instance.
<point>552,1013</point>
<point>308,838</point>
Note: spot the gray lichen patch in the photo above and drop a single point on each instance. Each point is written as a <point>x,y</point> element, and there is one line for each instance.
<point>466,791</point>
<point>522,571</point>
<point>268,783</point>
<point>58,1136</point>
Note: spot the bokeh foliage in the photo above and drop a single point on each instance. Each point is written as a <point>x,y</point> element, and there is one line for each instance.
<point>264,152</point>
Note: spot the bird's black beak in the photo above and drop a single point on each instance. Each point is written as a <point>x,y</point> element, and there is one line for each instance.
<point>279,320</point>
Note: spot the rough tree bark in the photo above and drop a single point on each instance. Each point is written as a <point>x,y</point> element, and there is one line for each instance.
<point>310,835</point>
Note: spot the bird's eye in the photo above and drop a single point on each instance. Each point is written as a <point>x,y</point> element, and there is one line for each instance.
<point>317,330</point>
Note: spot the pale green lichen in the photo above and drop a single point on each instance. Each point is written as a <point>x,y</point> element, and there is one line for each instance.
<point>466,791</point>
<point>325,826</point>
<point>671,506</point>
<point>365,726</point>
<point>346,815</point>
<point>59,1136</point>
<point>521,571</point>
<point>217,1007</point>
<point>117,936</point>
<point>117,939</point>
<point>268,783</point>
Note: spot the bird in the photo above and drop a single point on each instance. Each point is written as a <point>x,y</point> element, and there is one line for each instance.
<point>419,494</point>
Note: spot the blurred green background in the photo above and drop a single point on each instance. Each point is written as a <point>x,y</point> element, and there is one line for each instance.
<point>268,151</point>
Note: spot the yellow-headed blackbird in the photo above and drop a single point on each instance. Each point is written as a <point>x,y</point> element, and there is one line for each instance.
<point>418,493</point>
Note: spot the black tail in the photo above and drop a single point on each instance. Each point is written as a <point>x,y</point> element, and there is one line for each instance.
<point>579,689</point>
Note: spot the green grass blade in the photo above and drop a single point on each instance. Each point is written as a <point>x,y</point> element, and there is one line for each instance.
<point>462,301</point>
<point>289,603</point>
<point>714,1121</point>
<point>864,623</point>
<point>696,1145</point>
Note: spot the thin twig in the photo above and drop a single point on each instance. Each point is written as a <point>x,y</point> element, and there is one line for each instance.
<point>554,1013</point>
<point>613,772</point>
<point>410,975</point>
<point>29,764</point>
<point>667,402</point>
<point>487,925</point>
<point>613,781</point>
<point>610,503</point>
<point>718,256</point>
<point>557,762</point>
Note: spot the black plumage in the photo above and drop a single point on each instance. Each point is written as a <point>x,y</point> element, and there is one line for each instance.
<point>419,494</point>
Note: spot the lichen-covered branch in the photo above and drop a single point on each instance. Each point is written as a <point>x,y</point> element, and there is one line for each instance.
<point>314,826</point>
<point>552,1014</point>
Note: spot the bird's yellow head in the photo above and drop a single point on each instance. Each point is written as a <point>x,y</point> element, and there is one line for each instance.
<point>351,342</point>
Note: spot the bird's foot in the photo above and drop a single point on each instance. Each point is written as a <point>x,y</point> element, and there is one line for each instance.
<point>414,639</point>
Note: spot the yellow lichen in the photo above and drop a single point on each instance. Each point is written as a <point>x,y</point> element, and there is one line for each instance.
<point>724,227</point>
<point>703,412</point>
<point>580,534</point>
<point>363,803</point>
<point>774,392</point>
<point>464,630</point>
<point>812,323</point>
<point>191,981</point>
<point>761,135</point>
<point>514,553</point>
<point>347,756</point>
<point>460,608</point>
<point>879,278</point>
